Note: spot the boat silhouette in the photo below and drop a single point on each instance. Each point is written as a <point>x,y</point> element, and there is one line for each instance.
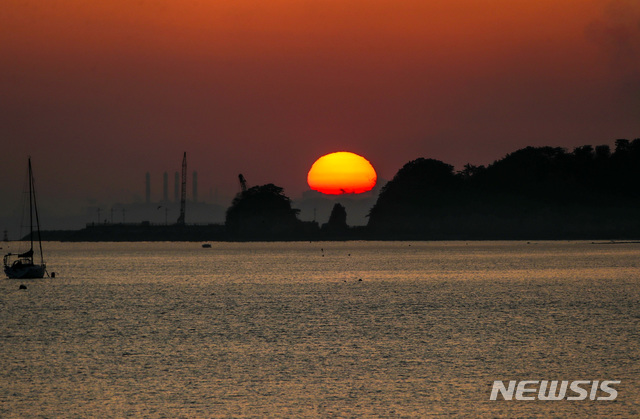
<point>23,265</point>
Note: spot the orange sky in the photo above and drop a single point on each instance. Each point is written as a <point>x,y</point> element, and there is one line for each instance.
<point>101,92</point>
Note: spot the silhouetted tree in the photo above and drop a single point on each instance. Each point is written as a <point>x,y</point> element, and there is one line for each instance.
<point>528,167</point>
<point>470,171</point>
<point>622,146</point>
<point>261,212</point>
<point>603,152</point>
<point>584,152</point>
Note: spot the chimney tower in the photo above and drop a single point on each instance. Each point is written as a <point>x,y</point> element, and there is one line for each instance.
<point>195,186</point>
<point>183,191</point>
<point>148,188</point>
<point>165,187</point>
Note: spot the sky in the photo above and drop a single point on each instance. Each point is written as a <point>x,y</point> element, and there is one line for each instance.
<point>99,93</point>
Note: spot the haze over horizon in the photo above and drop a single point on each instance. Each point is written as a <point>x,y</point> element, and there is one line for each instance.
<point>99,93</point>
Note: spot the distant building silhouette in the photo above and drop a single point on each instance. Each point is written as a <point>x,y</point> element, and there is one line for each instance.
<point>165,187</point>
<point>176,189</point>
<point>148,188</point>
<point>195,186</point>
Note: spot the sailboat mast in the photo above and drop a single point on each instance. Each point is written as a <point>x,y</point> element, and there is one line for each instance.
<point>32,194</point>
<point>30,206</point>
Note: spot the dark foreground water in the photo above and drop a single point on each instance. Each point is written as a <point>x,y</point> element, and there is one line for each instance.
<point>353,329</point>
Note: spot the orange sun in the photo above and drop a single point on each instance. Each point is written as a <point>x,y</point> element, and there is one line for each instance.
<point>341,172</point>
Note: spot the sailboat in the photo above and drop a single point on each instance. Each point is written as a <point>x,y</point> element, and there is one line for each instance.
<point>23,265</point>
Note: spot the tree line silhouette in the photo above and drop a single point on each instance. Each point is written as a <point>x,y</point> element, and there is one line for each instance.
<point>532,193</point>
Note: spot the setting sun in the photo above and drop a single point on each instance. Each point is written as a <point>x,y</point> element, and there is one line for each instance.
<point>341,172</point>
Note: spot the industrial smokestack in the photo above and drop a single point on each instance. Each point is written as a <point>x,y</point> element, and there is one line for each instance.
<point>165,187</point>
<point>176,191</point>
<point>195,186</point>
<point>183,192</point>
<point>148,188</point>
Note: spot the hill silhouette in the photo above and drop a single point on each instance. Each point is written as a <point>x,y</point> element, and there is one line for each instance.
<point>264,213</point>
<point>535,192</point>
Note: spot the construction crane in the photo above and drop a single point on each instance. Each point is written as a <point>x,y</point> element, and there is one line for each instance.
<point>183,197</point>
<point>243,183</point>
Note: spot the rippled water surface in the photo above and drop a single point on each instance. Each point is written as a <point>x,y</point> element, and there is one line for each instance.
<point>347,329</point>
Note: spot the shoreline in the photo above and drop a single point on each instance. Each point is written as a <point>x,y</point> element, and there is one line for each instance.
<point>216,233</point>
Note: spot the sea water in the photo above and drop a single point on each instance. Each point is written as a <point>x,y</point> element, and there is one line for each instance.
<point>319,329</point>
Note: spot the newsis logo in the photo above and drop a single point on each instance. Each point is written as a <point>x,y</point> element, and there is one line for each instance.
<point>555,390</point>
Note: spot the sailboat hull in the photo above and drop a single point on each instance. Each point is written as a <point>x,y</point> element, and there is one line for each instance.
<point>25,271</point>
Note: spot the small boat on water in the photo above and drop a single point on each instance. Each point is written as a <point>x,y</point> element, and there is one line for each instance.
<point>24,265</point>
